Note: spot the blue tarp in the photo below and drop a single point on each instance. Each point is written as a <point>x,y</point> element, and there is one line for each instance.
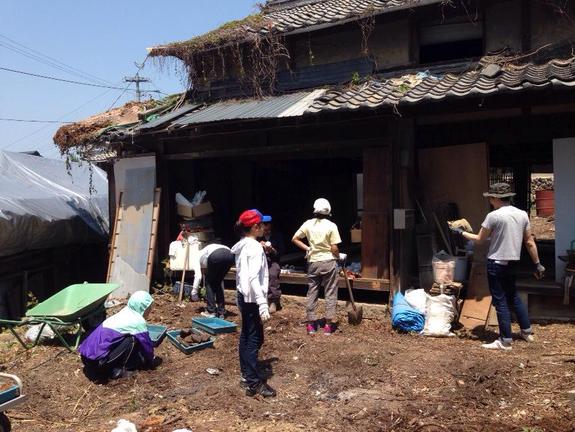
<point>404,317</point>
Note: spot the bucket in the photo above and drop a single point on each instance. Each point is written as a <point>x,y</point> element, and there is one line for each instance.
<point>460,273</point>
<point>545,203</point>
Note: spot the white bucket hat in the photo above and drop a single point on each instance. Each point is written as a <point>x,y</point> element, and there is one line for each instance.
<point>322,206</point>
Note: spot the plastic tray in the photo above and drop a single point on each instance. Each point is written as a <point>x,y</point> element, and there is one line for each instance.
<point>214,325</point>
<point>185,348</point>
<point>10,393</point>
<point>157,333</point>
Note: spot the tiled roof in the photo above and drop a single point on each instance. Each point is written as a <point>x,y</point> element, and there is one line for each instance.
<point>485,79</point>
<point>287,17</point>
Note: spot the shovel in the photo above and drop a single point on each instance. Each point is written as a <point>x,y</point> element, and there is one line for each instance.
<point>354,312</point>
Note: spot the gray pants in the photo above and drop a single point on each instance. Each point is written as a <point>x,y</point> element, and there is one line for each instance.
<point>322,273</point>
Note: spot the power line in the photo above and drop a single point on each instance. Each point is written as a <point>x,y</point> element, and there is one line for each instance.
<point>47,60</point>
<point>66,81</point>
<point>32,121</point>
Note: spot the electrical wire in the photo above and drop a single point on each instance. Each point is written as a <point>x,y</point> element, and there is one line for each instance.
<point>32,120</point>
<point>67,81</point>
<point>47,60</point>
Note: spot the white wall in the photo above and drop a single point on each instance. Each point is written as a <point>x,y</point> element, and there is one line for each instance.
<point>564,169</point>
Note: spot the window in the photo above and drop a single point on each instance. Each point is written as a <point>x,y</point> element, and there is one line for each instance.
<point>451,39</point>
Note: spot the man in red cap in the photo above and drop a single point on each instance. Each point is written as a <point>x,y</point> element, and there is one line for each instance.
<point>252,295</point>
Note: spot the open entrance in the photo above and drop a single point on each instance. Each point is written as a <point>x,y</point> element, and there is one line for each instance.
<point>285,187</point>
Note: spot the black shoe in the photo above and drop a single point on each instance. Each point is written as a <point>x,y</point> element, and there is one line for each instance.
<point>262,389</point>
<point>118,373</point>
<point>244,383</point>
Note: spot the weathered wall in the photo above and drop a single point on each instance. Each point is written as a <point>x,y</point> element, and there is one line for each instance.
<point>388,43</point>
<point>549,25</point>
<point>503,26</point>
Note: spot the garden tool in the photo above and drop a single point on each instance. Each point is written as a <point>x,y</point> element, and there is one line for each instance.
<point>354,312</point>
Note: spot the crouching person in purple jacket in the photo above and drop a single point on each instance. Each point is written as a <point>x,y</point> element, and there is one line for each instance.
<point>121,343</point>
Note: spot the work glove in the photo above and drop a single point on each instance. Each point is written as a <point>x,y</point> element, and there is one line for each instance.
<point>342,258</point>
<point>264,312</point>
<point>457,230</point>
<point>539,271</point>
<point>307,253</point>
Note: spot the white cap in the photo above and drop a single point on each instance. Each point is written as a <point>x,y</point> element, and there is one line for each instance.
<point>322,206</point>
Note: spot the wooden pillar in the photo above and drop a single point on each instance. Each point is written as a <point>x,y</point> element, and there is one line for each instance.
<point>375,246</point>
<point>166,204</point>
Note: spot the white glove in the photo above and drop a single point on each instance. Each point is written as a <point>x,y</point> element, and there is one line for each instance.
<point>307,253</point>
<point>342,257</point>
<point>264,312</point>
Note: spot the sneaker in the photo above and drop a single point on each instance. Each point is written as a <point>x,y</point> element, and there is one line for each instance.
<point>497,345</point>
<point>208,314</point>
<point>262,389</point>
<point>195,298</point>
<point>311,328</point>
<point>328,329</point>
<point>243,383</point>
<point>527,337</point>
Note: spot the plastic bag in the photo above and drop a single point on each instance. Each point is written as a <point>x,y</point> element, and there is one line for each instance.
<point>443,268</point>
<point>404,317</point>
<point>125,426</point>
<point>32,333</point>
<point>439,314</point>
<point>417,299</point>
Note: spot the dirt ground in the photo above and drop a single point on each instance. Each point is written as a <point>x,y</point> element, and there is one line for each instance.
<point>365,378</point>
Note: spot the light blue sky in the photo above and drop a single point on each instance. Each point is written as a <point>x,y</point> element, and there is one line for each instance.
<point>103,38</point>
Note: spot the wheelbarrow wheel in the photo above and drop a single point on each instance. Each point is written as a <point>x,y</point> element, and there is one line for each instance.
<point>4,423</point>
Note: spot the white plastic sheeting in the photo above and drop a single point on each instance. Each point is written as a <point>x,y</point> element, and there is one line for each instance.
<point>43,205</point>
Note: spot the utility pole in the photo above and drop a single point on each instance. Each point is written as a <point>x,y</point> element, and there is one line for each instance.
<point>137,79</point>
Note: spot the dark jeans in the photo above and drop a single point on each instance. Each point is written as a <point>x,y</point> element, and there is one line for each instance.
<point>251,340</point>
<point>274,291</point>
<point>505,298</point>
<point>125,354</point>
<point>219,263</point>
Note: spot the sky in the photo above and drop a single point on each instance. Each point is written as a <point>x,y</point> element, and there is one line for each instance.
<point>101,41</point>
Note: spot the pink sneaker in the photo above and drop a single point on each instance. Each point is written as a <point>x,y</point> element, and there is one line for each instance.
<point>328,329</point>
<point>311,328</point>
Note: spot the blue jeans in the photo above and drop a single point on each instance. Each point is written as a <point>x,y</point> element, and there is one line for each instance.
<point>504,296</point>
<point>251,340</point>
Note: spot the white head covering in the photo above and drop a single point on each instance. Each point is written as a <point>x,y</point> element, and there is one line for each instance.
<point>322,206</point>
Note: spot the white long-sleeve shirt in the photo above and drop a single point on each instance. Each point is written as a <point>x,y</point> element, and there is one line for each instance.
<point>207,251</point>
<point>251,270</point>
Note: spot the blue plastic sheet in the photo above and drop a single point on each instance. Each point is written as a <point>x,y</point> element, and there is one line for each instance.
<point>404,317</point>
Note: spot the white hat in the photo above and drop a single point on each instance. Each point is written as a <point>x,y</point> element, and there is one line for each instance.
<point>322,206</point>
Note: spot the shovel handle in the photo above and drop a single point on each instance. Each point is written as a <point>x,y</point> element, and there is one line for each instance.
<point>349,288</point>
<point>186,255</point>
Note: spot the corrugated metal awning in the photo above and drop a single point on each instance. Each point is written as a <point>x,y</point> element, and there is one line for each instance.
<point>291,105</point>
<point>162,120</point>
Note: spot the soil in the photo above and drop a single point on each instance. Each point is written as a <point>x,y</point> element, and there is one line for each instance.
<point>364,378</point>
<point>543,228</point>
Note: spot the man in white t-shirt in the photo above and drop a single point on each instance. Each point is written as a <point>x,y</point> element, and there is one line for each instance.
<point>507,228</point>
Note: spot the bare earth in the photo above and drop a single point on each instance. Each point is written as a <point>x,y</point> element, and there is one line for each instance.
<point>365,378</point>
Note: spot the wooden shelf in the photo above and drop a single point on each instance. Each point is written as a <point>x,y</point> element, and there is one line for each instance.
<point>301,279</point>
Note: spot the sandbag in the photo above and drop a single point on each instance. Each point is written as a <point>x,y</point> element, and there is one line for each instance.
<point>404,317</point>
<point>439,314</point>
<point>417,298</point>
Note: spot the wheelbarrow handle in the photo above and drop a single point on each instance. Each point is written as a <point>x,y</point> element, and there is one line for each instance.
<point>13,378</point>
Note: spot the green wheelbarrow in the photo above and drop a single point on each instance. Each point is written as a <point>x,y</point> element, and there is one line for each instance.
<point>70,307</point>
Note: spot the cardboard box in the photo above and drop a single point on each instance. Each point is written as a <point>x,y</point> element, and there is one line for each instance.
<point>355,235</point>
<point>199,210</point>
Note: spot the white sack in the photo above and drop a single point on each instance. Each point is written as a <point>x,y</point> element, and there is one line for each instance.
<point>439,314</point>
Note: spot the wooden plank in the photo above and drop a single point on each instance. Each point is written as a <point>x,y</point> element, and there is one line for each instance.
<point>153,234</point>
<point>476,306</point>
<point>443,182</point>
<point>376,217</point>
<point>114,236</point>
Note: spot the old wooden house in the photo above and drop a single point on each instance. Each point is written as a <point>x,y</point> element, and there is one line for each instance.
<point>391,109</point>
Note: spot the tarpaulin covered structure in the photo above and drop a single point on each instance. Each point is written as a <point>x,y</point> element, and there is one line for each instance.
<point>43,204</point>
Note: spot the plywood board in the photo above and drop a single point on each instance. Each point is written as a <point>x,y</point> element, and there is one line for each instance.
<point>458,174</point>
<point>476,306</point>
<point>130,253</point>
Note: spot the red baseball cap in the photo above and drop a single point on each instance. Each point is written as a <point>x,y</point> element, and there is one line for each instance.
<point>250,217</point>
